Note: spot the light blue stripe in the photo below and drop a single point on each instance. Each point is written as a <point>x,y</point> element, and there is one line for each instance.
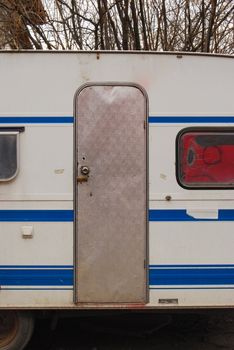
<point>190,119</point>
<point>181,215</point>
<point>37,120</point>
<point>37,215</point>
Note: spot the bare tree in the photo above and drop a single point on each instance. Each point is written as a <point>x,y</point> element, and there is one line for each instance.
<point>172,25</point>
<point>15,18</point>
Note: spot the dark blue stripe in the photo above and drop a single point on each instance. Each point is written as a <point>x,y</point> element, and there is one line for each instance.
<point>204,276</point>
<point>193,119</point>
<point>37,215</point>
<point>171,215</point>
<point>181,215</point>
<point>226,215</point>
<point>36,288</point>
<point>157,276</point>
<point>192,266</point>
<point>36,277</point>
<point>36,266</point>
<point>151,119</point>
<point>37,120</point>
<point>68,215</point>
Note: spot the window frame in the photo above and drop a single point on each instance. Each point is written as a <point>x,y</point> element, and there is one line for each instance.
<point>13,131</point>
<point>218,129</point>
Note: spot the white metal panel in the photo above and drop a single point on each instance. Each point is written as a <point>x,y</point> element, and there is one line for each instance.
<point>52,244</point>
<point>191,242</point>
<point>162,168</point>
<point>193,298</point>
<point>36,298</point>
<point>173,84</point>
<point>36,202</point>
<point>46,159</point>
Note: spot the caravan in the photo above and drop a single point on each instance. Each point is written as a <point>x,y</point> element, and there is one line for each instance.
<point>116,183</point>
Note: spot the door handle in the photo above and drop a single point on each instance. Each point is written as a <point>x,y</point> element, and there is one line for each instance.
<point>82,178</point>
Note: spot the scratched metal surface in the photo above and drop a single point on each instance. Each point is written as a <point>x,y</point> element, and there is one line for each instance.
<point>112,204</point>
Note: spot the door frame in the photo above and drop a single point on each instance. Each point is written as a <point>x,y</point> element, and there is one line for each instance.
<point>75,184</point>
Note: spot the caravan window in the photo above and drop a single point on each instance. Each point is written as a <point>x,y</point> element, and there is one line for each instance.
<point>205,158</point>
<point>9,149</point>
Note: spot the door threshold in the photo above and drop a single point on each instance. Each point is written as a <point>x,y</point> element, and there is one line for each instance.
<point>98,305</point>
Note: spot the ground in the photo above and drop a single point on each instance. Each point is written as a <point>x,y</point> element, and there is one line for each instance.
<point>200,331</point>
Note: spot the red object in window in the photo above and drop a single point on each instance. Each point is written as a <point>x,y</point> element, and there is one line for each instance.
<point>207,159</point>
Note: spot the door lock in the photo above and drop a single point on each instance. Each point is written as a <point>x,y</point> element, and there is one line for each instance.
<point>84,170</point>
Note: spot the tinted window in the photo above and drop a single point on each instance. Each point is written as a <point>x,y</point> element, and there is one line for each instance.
<point>8,155</point>
<point>206,159</point>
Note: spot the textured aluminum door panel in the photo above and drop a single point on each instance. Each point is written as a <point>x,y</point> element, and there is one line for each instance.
<point>112,210</point>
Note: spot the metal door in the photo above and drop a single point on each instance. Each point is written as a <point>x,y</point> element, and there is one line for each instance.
<point>111,195</point>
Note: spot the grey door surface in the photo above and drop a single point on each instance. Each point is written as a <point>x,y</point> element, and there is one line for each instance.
<point>111,202</point>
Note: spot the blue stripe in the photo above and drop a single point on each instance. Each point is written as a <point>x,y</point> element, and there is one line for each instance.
<point>189,276</point>
<point>37,215</point>
<point>169,215</point>
<point>37,288</point>
<point>36,277</point>
<point>159,275</point>
<point>151,119</point>
<point>192,266</point>
<point>37,120</point>
<point>190,288</point>
<point>68,215</point>
<point>181,215</point>
<point>36,266</point>
<point>189,119</point>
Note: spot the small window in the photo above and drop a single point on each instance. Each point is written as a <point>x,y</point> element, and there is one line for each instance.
<point>9,150</point>
<point>205,158</point>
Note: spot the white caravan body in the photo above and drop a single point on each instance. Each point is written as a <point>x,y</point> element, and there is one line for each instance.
<point>97,208</point>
